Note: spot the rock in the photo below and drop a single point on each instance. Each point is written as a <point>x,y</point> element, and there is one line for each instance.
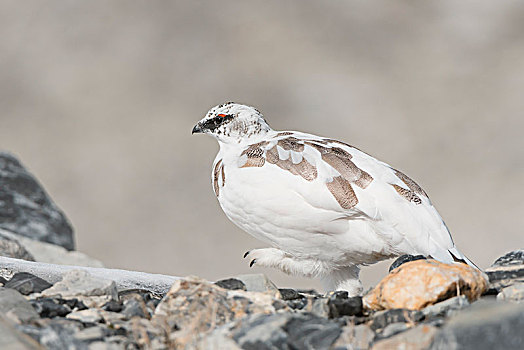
<point>13,249</point>
<point>384,318</point>
<point>86,316</point>
<point>289,294</point>
<point>55,334</point>
<point>194,306</point>
<point>13,339</point>
<point>417,284</point>
<point>355,337</point>
<point>15,306</point>
<point>113,305</point>
<point>515,257</point>
<point>134,307</point>
<point>231,283</point>
<point>446,307</point>
<point>258,283</point>
<point>340,305</point>
<point>484,325</point>
<point>320,307</point>
<point>392,329</point>
<point>27,283</point>
<point>404,259</point>
<point>417,338</point>
<point>26,209</point>
<point>287,331</point>
<point>512,293</point>
<point>90,334</point>
<point>506,271</point>
<point>49,307</point>
<point>81,283</point>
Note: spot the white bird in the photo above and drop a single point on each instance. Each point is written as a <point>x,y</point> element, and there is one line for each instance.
<point>325,207</point>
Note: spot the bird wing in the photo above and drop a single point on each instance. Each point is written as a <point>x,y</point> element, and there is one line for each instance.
<point>357,187</point>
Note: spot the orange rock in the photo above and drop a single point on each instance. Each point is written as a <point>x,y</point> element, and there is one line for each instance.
<point>417,284</point>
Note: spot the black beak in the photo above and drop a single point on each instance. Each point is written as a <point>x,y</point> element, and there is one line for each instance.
<point>197,129</point>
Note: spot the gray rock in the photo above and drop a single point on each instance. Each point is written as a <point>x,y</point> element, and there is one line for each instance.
<point>446,307</point>
<point>287,331</point>
<point>355,337</point>
<point>50,307</point>
<point>382,319</point>
<point>135,307</point>
<point>27,283</point>
<point>12,339</point>
<point>26,209</point>
<point>392,329</point>
<point>515,257</point>
<point>504,276</point>
<point>56,334</point>
<point>257,283</point>
<point>341,305</point>
<point>232,284</point>
<point>512,293</point>
<point>417,338</point>
<point>82,283</point>
<point>90,334</point>
<point>13,249</point>
<point>15,306</point>
<point>320,307</point>
<point>86,316</point>
<point>51,253</point>
<point>484,325</point>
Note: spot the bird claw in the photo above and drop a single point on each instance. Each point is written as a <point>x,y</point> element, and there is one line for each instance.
<point>253,262</point>
<point>247,253</point>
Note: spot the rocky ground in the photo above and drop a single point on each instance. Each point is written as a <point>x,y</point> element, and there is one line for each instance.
<point>420,304</point>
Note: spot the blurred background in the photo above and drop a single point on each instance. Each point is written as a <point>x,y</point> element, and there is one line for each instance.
<point>98,100</point>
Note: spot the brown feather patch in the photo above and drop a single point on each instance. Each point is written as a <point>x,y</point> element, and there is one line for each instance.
<point>255,155</point>
<point>216,172</point>
<point>409,195</point>
<point>291,143</point>
<point>412,185</point>
<point>304,169</point>
<point>341,189</point>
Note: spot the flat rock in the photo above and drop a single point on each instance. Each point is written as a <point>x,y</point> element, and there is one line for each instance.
<point>484,325</point>
<point>382,319</point>
<point>26,209</point>
<point>12,248</point>
<point>502,276</point>
<point>420,283</point>
<point>287,331</point>
<point>50,307</point>
<point>16,307</point>
<point>27,283</point>
<point>82,283</point>
<point>417,338</point>
<point>86,316</point>
<point>55,334</point>
<point>444,308</point>
<point>231,283</point>
<point>13,339</point>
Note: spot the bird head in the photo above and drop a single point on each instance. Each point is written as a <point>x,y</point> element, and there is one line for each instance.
<point>233,123</point>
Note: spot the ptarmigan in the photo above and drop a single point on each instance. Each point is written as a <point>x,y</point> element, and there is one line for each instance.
<point>325,207</point>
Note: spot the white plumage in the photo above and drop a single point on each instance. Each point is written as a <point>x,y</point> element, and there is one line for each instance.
<point>325,207</point>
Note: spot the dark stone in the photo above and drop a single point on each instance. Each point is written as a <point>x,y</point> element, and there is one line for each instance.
<point>287,331</point>
<point>56,334</point>
<point>297,304</point>
<point>27,283</point>
<point>340,305</point>
<point>3,281</point>
<point>404,259</point>
<point>74,304</point>
<point>27,210</point>
<point>134,307</point>
<point>232,284</point>
<point>485,325</point>
<point>113,306</point>
<point>505,275</point>
<point>289,294</point>
<point>383,318</point>
<point>515,257</point>
<point>11,248</point>
<point>50,307</point>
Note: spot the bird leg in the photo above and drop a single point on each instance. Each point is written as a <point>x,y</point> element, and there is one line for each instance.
<point>344,278</point>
